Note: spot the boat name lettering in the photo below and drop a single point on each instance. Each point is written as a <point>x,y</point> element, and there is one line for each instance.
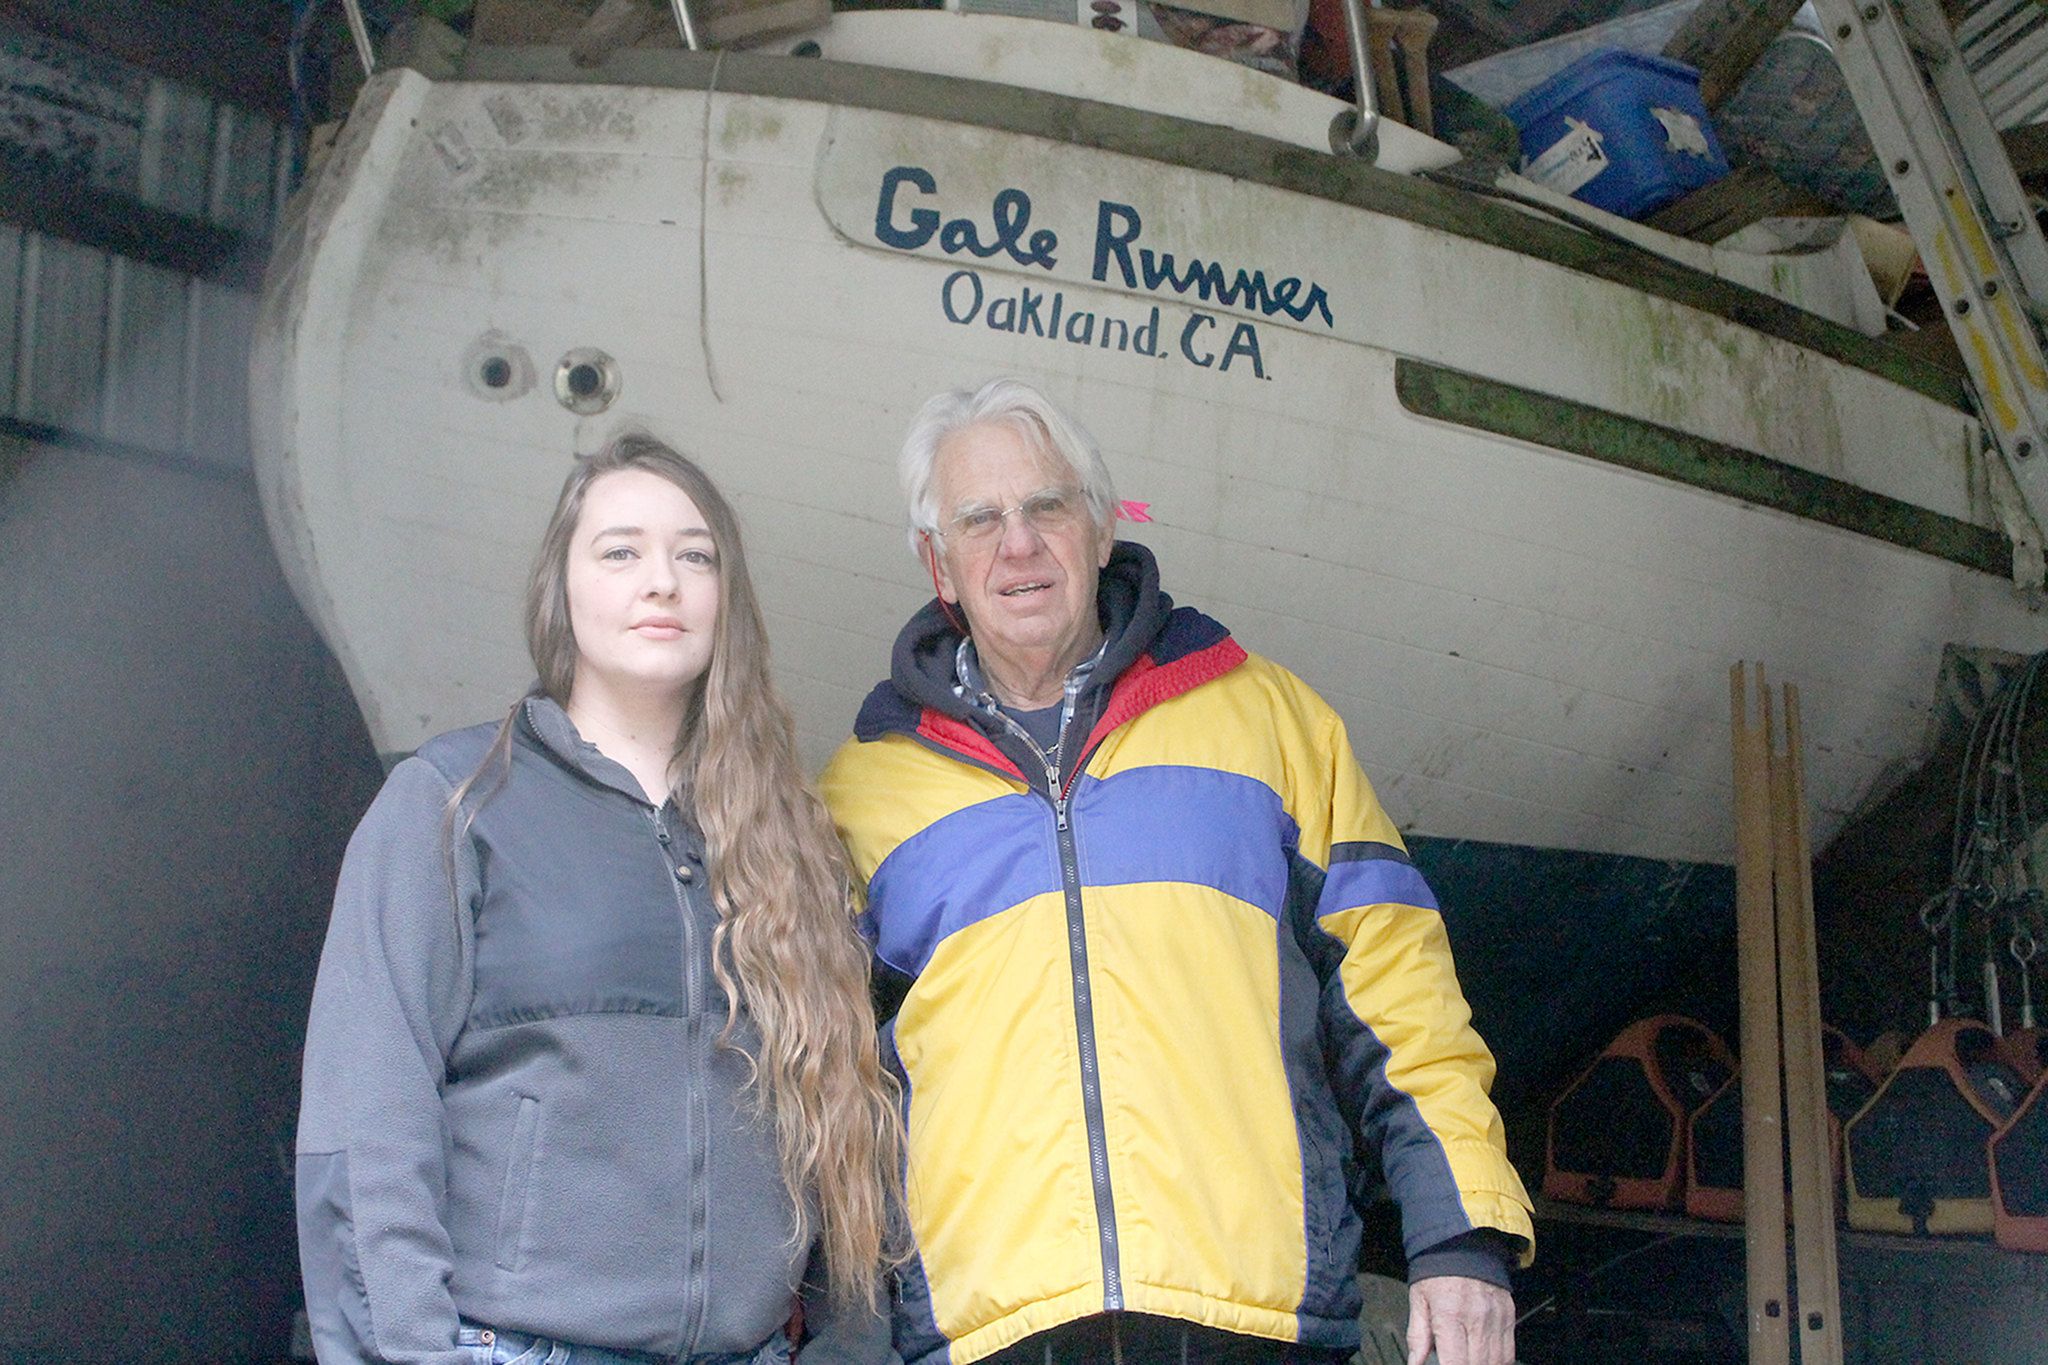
<point>965,299</point>
<point>903,223</point>
<point>1117,226</point>
<point>1011,212</point>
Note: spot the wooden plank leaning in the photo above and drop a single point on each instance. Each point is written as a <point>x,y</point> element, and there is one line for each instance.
<point>1763,1151</point>
<point>1819,1328</point>
<point>1724,39</point>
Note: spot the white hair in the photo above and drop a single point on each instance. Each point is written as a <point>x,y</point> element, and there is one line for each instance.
<point>1000,402</point>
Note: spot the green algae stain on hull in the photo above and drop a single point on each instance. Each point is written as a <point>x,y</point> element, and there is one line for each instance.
<point>1647,448</point>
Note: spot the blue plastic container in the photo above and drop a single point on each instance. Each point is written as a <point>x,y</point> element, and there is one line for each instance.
<point>1620,130</point>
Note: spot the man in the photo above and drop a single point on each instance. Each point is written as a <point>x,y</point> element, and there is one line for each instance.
<point>1162,957</point>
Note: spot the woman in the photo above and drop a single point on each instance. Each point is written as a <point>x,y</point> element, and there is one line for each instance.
<point>591,1075</point>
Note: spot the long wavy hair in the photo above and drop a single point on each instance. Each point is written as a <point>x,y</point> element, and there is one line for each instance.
<point>785,950</point>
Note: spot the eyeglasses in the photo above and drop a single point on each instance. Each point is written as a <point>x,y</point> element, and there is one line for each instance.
<point>1054,509</point>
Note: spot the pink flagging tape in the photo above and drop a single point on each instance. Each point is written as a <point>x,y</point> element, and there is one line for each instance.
<point>1133,511</point>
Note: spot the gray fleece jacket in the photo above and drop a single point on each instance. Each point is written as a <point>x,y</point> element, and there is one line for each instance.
<point>516,1110</point>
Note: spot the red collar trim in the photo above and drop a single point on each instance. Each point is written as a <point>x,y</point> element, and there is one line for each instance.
<point>1145,684</point>
<point>962,738</point>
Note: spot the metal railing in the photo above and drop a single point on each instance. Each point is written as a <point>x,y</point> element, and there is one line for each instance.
<point>359,29</point>
<point>1356,131</point>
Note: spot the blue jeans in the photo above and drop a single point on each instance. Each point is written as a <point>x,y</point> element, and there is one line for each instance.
<point>490,1346</point>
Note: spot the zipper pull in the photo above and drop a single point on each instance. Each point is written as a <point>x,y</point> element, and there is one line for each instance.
<point>1059,797</point>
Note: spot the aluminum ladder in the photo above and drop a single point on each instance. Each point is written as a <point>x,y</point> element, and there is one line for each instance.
<point>1976,231</point>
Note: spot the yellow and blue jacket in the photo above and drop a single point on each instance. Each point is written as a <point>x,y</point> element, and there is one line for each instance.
<point>1151,997</point>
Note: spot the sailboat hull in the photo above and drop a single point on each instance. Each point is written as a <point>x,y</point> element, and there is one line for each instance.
<point>773,262</point>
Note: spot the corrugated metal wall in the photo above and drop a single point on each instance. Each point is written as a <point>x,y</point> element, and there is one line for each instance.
<point>181,762</point>
<point>2005,45</point>
<point>109,349</point>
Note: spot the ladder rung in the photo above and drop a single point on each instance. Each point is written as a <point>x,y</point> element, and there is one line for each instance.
<point>1955,184</point>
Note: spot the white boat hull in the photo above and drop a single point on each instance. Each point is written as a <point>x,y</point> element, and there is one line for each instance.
<point>1529,646</point>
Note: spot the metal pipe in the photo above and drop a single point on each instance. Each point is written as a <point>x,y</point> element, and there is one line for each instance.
<point>1994,997</point>
<point>686,22</point>
<point>2024,946</point>
<point>1357,131</point>
<point>360,31</point>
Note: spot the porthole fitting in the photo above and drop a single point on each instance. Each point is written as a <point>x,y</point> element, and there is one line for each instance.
<point>495,369</point>
<point>587,381</point>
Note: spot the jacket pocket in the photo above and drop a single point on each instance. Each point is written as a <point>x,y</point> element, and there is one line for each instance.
<point>337,1296</point>
<point>1322,1190</point>
<point>1330,1227</point>
<point>512,1201</point>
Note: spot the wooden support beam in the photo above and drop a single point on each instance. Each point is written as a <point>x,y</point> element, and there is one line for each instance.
<point>22,442</point>
<point>35,197</point>
<point>1763,1125</point>
<point>1724,38</point>
<point>1819,1327</point>
<point>1744,196</point>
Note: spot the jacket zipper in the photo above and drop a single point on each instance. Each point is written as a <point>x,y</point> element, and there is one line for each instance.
<point>1091,1075</point>
<point>696,1122</point>
<point>1060,795</point>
